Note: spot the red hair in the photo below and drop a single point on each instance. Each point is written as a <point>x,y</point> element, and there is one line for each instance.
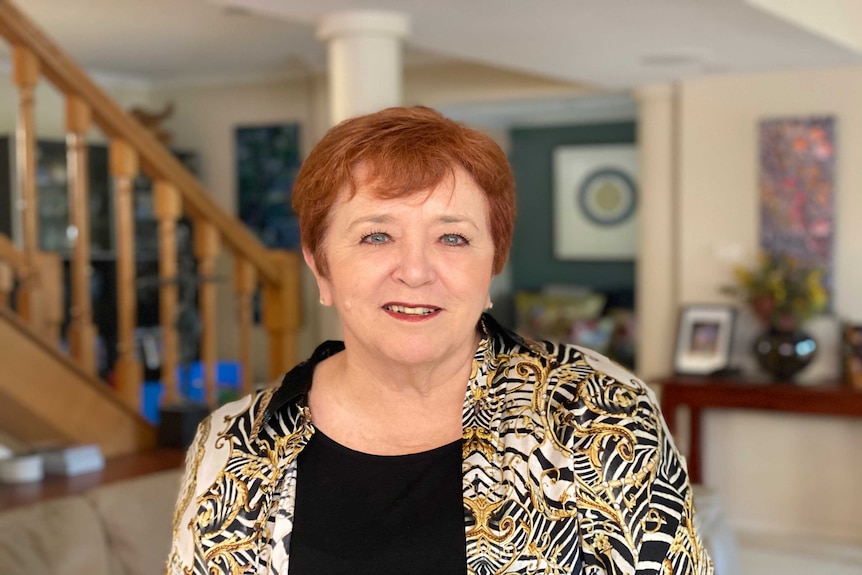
<point>405,150</point>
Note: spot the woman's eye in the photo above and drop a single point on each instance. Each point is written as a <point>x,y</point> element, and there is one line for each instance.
<point>375,238</point>
<point>454,240</point>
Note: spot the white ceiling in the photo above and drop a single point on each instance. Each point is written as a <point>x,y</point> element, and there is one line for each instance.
<point>608,44</point>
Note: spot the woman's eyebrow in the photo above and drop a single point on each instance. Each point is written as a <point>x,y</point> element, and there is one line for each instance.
<point>371,219</point>
<point>457,220</point>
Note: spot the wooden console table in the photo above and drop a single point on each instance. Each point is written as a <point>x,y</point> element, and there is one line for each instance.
<point>700,393</point>
<point>116,469</point>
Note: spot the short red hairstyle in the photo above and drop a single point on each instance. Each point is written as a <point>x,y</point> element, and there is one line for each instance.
<point>405,150</point>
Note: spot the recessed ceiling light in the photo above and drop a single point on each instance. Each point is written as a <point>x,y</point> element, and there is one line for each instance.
<point>676,58</point>
<point>234,10</point>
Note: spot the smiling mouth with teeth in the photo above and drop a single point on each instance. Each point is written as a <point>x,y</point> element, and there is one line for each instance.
<point>411,310</point>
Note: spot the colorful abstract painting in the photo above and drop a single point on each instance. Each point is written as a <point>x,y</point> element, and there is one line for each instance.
<point>267,163</point>
<point>797,189</point>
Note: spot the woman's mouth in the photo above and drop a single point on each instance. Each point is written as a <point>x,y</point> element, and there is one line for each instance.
<point>411,312</point>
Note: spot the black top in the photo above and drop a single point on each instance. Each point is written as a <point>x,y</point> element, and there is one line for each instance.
<point>371,514</point>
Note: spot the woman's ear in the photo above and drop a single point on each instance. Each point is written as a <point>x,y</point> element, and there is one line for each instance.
<point>322,283</point>
<point>309,259</point>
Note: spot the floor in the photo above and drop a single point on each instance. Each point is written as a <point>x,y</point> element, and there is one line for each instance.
<point>764,555</point>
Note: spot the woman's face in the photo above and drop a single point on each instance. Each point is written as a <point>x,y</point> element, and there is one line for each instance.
<point>409,276</point>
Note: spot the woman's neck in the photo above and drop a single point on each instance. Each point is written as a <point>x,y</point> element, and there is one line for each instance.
<point>374,405</point>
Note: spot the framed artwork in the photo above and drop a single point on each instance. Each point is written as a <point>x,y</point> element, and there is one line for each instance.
<point>703,340</point>
<point>595,202</point>
<point>852,355</point>
<point>797,189</point>
<point>267,161</point>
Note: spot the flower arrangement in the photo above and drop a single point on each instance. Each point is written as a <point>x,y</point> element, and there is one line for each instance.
<point>781,291</point>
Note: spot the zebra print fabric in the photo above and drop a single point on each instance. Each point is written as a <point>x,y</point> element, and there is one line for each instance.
<point>567,469</point>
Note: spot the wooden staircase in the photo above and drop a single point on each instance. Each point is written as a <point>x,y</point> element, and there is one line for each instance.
<point>47,395</point>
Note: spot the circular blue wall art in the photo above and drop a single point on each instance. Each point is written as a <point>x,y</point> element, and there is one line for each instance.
<point>607,196</point>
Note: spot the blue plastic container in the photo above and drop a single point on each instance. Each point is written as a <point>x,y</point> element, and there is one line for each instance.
<point>191,383</point>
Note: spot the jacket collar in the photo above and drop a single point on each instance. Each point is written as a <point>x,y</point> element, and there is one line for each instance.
<point>295,385</point>
<point>296,382</point>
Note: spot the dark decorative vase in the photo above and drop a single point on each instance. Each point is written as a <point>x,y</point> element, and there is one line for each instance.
<point>784,354</point>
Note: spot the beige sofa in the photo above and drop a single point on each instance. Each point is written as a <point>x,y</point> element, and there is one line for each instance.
<point>119,529</point>
<point>125,529</point>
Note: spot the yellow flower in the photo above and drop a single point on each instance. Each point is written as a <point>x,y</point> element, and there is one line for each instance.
<point>781,290</point>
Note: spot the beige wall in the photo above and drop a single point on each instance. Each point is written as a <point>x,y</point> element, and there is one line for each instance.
<point>786,473</point>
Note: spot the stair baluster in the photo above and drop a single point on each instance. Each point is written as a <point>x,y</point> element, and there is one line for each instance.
<point>82,331</point>
<point>281,315</point>
<point>48,295</point>
<point>245,285</point>
<point>207,245</point>
<point>7,283</point>
<point>128,370</point>
<point>26,75</point>
<point>168,209</point>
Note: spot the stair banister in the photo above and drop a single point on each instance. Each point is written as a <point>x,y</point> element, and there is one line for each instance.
<point>155,160</point>
<point>133,150</point>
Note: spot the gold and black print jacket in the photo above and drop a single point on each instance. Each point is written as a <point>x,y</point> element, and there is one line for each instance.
<point>567,468</point>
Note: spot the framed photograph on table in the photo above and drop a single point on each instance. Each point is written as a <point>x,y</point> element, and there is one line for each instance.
<point>703,340</point>
<point>852,355</point>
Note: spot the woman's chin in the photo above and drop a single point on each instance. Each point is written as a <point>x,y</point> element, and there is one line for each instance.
<point>415,351</point>
<point>418,354</point>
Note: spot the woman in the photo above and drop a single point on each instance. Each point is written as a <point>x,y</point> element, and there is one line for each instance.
<point>431,440</point>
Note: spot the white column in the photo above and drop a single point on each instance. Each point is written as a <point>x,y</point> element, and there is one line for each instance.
<point>656,280</point>
<point>364,76</point>
<point>364,61</point>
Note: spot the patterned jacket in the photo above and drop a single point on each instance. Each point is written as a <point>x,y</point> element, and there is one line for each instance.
<point>567,468</point>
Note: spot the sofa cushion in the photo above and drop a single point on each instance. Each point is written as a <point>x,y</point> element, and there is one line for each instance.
<point>715,531</point>
<point>138,519</point>
<point>57,537</point>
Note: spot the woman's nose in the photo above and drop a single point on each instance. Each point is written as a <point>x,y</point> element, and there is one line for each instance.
<point>414,267</point>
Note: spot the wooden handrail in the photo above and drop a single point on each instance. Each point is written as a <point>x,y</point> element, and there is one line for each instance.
<point>156,160</point>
